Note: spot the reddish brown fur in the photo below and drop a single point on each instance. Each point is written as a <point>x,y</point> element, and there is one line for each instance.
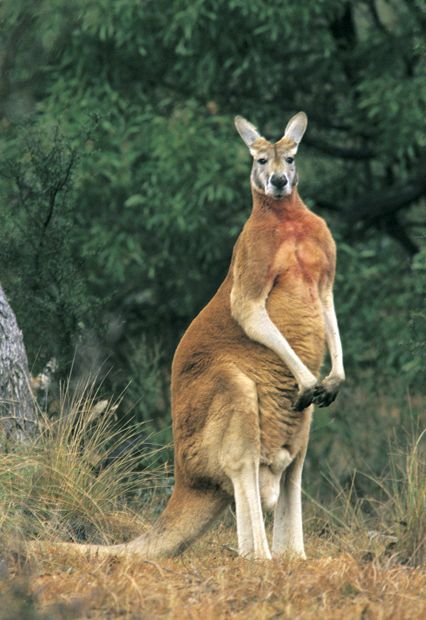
<point>286,244</point>
<point>232,398</point>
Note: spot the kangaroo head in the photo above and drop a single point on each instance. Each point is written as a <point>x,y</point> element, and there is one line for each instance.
<point>274,170</point>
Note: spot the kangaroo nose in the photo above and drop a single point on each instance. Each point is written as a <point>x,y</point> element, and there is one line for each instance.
<point>279,181</point>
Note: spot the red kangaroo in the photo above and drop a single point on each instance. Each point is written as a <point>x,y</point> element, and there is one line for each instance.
<point>245,375</point>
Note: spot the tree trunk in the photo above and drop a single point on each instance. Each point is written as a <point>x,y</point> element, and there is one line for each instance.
<point>17,412</point>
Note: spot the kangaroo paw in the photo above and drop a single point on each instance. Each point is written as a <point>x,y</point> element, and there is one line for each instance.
<point>304,399</point>
<point>325,393</point>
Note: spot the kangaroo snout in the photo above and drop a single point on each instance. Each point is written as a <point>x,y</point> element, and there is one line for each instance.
<point>279,181</point>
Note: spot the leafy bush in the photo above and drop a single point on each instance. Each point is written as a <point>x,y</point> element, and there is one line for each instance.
<point>41,240</point>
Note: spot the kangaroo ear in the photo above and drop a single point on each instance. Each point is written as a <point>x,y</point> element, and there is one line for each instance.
<point>247,131</point>
<point>296,127</point>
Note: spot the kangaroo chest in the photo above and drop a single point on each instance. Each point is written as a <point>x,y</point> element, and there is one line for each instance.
<point>300,253</point>
<point>300,265</point>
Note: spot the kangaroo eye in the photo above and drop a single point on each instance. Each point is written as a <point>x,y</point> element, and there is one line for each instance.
<point>289,160</point>
<point>262,161</point>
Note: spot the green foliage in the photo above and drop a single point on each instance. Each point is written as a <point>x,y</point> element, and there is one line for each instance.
<point>148,201</point>
<point>41,239</point>
<point>379,293</point>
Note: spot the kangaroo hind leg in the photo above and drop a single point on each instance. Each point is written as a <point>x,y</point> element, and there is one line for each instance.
<point>240,459</point>
<point>252,540</point>
<point>288,526</point>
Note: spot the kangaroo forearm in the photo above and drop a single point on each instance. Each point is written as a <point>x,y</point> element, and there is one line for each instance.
<point>258,326</point>
<point>333,341</point>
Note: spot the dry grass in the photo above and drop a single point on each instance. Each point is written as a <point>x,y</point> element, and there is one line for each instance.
<point>209,582</point>
<point>365,553</point>
<point>73,478</point>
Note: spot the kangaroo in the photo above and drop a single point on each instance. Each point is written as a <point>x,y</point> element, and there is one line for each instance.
<point>245,374</point>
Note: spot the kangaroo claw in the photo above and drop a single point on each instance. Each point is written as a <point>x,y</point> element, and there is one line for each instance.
<point>325,393</point>
<point>304,399</point>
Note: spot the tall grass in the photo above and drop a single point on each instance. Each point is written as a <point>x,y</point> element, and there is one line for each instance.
<point>405,508</point>
<point>76,478</point>
<point>388,521</point>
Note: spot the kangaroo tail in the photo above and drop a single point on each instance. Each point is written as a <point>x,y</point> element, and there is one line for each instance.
<point>188,514</point>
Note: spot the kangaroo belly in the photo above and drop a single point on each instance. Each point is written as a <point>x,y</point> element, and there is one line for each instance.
<point>297,312</point>
<point>280,426</point>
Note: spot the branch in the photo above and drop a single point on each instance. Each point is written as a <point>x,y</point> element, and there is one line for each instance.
<point>53,193</point>
<point>381,207</point>
<point>328,206</point>
<point>417,12</point>
<point>376,18</point>
<point>396,230</point>
<point>373,205</point>
<point>376,204</point>
<point>338,151</point>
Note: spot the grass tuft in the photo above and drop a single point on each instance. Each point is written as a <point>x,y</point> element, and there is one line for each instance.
<point>405,489</point>
<point>389,521</point>
<point>74,480</point>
